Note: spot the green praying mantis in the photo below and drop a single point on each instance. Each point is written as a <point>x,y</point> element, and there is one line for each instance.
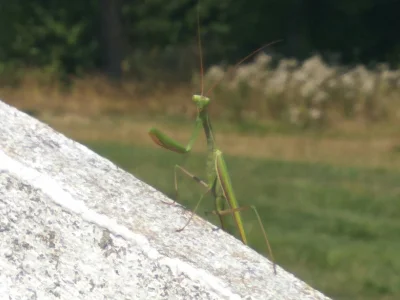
<point>218,180</point>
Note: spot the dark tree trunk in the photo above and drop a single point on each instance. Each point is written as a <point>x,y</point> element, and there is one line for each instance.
<point>112,36</point>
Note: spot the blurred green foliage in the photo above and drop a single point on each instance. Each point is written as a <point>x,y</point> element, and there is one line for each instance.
<point>67,37</point>
<point>57,36</point>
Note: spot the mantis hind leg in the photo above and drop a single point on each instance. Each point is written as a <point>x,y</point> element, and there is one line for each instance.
<point>219,206</point>
<point>232,210</point>
<point>194,210</point>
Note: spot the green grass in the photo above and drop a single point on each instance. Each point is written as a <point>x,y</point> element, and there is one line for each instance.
<point>337,228</point>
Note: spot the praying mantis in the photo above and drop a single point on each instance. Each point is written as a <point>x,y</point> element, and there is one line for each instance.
<point>218,183</point>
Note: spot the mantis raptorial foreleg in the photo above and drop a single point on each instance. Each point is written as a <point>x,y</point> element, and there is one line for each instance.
<point>166,142</point>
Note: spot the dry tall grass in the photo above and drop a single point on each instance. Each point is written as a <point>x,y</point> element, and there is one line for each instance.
<point>310,93</point>
<point>91,96</point>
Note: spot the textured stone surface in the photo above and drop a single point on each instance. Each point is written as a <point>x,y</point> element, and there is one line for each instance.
<point>75,226</point>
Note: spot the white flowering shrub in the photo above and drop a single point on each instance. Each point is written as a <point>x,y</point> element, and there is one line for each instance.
<point>305,94</point>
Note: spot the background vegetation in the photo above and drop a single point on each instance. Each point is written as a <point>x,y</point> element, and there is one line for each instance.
<point>310,126</point>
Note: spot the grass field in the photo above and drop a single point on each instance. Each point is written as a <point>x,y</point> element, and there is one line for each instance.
<point>330,204</point>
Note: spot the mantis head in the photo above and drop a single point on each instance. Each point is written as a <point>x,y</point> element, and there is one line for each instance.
<point>201,101</point>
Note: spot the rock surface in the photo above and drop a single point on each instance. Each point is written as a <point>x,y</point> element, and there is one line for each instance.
<point>75,226</point>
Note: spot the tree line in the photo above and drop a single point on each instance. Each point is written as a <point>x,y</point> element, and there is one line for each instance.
<point>117,36</point>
